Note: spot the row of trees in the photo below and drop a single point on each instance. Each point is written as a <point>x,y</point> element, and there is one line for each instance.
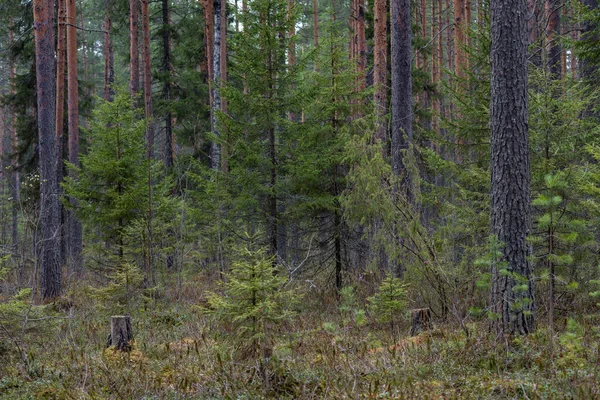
<point>347,135</point>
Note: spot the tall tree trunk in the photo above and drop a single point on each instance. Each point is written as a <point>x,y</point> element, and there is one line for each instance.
<point>86,90</point>
<point>209,33</point>
<point>134,54</point>
<point>588,69</point>
<point>147,79</point>
<point>14,173</point>
<point>380,67</point>
<point>166,33</point>
<point>215,149</point>
<point>75,232</point>
<point>361,46</point>
<point>510,175</point>
<point>223,76</point>
<point>315,7</point>
<point>553,50</point>
<point>61,52</point>
<point>109,55</point>
<point>401,87</point>
<point>50,269</point>
<point>459,37</point>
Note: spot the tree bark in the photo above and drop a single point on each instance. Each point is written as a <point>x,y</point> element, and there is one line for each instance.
<point>510,174</point>
<point>401,87</point>
<point>75,231</point>
<point>61,52</point>
<point>380,67</point>
<point>109,55</point>
<point>146,61</point>
<point>134,55</point>
<point>361,46</point>
<point>215,148</point>
<point>223,75</point>
<point>459,37</point>
<point>50,269</point>
<point>166,33</point>
<point>588,69</point>
<point>552,36</point>
<point>315,7</point>
<point>14,173</point>
<point>121,333</point>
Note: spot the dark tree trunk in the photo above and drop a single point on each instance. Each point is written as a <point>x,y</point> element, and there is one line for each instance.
<point>553,10</point>
<point>75,232</point>
<point>14,174</point>
<point>401,86</point>
<point>223,76</point>
<point>134,55</point>
<point>147,68</point>
<point>380,66</point>
<point>51,273</point>
<point>169,140</point>
<point>510,175</point>
<point>61,59</point>
<point>361,46</point>
<point>109,56</point>
<point>587,68</point>
<point>315,7</point>
<point>215,149</point>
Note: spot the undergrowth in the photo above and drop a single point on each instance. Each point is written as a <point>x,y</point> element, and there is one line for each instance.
<point>331,349</point>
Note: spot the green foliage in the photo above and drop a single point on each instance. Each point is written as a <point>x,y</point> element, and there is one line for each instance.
<point>389,303</point>
<point>112,183</point>
<point>122,293</point>
<point>352,314</point>
<point>254,300</point>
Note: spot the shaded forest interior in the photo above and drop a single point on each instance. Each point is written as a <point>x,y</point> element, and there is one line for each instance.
<point>299,199</point>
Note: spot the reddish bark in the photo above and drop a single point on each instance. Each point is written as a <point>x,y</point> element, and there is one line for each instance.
<point>134,55</point>
<point>380,65</point>
<point>49,257</point>
<point>147,78</point>
<point>75,232</point>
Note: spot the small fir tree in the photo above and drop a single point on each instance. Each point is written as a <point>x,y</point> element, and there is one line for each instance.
<point>254,299</point>
<point>389,303</point>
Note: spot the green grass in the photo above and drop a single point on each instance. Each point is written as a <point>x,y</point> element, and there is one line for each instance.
<point>180,353</point>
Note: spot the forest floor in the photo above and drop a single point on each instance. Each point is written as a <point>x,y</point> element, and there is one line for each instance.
<point>180,353</point>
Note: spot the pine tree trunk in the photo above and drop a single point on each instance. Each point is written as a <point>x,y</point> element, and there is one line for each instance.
<point>169,139</point>
<point>215,149</point>
<point>134,55</point>
<point>459,37</point>
<point>109,55</point>
<point>14,173</point>
<point>146,61</point>
<point>552,37</point>
<point>223,75</point>
<point>510,174</point>
<point>361,46</point>
<point>315,7</point>
<point>61,52</point>
<point>588,69</point>
<point>75,231</point>
<point>380,67</point>
<point>401,86</point>
<point>50,269</point>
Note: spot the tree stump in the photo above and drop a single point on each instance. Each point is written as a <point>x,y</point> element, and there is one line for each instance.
<point>421,320</point>
<point>121,333</point>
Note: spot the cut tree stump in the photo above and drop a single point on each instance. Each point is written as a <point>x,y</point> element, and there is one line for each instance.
<point>121,333</point>
<point>421,321</point>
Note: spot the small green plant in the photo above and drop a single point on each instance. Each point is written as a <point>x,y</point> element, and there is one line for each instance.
<point>123,292</point>
<point>389,303</point>
<point>351,313</point>
<point>254,299</point>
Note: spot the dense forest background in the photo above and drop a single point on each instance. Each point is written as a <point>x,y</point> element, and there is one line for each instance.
<point>299,199</point>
